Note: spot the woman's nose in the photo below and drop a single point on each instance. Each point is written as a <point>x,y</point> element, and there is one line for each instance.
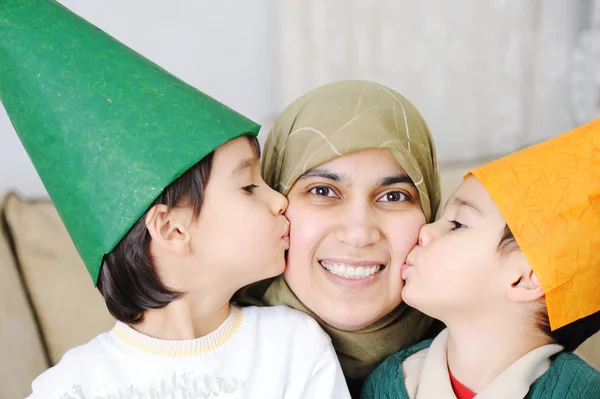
<point>358,227</point>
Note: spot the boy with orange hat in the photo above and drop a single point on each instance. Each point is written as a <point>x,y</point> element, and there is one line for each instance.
<point>512,268</point>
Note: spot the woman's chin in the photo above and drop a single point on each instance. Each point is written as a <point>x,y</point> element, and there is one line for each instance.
<point>351,319</point>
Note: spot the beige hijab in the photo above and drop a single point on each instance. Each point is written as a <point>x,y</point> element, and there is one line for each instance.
<point>330,122</point>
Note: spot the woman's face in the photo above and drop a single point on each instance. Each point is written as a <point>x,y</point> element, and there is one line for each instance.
<point>353,221</point>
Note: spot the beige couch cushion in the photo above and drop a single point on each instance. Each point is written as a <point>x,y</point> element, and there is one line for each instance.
<point>21,348</point>
<point>70,309</point>
<point>590,351</point>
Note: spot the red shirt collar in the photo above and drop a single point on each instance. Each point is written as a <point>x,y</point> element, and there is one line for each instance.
<point>461,391</point>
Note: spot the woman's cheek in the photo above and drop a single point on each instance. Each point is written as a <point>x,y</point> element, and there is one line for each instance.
<point>404,230</point>
<point>308,224</point>
<point>306,232</point>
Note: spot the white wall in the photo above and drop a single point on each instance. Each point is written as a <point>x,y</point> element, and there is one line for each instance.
<point>489,77</point>
<point>223,48</point>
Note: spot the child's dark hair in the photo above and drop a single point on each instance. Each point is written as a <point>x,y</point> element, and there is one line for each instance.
<point>569,336</point>
<point>128,280</point>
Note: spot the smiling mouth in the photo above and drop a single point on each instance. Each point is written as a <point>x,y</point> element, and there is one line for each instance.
<point>349,271</point>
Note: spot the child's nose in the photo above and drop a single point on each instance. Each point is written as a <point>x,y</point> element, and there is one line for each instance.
<point>426,234</point>
<point>279,202</point>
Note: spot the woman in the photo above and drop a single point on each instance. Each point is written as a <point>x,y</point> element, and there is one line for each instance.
<point>357,163</point>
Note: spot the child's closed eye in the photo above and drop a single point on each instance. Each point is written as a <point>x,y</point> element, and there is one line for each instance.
<point>249,189</point>
<point>457,225</point>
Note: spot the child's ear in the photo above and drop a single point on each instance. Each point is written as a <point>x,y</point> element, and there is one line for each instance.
<point>525,286</point>
<point>169,228</point>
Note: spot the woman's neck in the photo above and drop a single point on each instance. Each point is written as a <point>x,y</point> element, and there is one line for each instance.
<point>480,352</point>
<point>188,317</point>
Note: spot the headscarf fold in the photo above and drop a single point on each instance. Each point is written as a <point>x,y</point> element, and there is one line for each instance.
<point>333,121</point>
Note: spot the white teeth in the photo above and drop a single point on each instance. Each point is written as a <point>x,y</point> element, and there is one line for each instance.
<point>350,272</point>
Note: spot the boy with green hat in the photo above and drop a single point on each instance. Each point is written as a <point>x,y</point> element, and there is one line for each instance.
<point>512,267</point>
<point>159,187</point>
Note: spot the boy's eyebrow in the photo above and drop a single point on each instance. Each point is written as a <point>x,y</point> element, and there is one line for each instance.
<point>244,164</point>
<point>463,202</point>
<point>399,178</point>
<point>325,174</point>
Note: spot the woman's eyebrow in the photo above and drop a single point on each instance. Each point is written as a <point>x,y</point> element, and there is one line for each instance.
<point>390,180</point>
<point>325,174</point>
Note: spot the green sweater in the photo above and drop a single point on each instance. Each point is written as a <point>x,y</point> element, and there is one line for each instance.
<point>569,377</point>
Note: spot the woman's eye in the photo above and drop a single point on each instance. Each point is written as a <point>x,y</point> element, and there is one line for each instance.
<point>322,191</point>
<point>249,189</point>
<point>393,196</point>
<point>457,225</point>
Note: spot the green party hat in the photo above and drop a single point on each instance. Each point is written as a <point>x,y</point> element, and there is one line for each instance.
<point>106,129</point>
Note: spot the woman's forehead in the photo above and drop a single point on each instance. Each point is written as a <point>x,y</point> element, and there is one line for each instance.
<point>377,166</point>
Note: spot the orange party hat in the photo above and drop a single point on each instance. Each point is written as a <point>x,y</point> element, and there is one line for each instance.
<point>549,195</point>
